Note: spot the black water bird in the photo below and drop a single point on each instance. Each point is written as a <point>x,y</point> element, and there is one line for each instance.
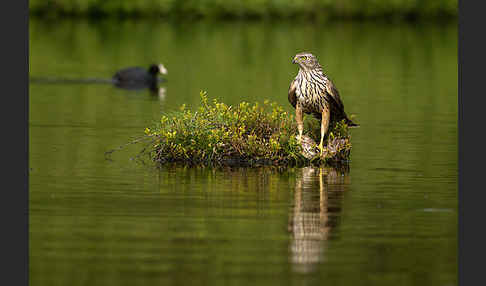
<point>138,77</point>
<point>132,78</point>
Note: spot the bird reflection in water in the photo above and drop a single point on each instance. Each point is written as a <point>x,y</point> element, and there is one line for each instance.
<point>153,87</point>
<point>161,92</point>
<point>317,204</point>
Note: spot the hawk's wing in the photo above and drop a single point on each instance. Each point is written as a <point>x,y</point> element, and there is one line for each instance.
<point>334,95</point>
<point>292,97</point>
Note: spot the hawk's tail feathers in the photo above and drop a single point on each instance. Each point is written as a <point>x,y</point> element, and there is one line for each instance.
<point>348,121</point>
<point>351,123</point>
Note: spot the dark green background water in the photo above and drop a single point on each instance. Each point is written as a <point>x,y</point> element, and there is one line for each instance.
<point>390,220</point>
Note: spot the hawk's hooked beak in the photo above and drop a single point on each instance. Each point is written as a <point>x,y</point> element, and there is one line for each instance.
<point>294,61</point>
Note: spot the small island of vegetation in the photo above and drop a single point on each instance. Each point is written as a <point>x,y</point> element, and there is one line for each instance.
<point>243,135</point>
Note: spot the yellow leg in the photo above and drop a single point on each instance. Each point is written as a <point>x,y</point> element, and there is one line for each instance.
<point>326,115</point>
<point>300,121</point>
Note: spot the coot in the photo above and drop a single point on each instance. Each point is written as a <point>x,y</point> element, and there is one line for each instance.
<point>138,75</point>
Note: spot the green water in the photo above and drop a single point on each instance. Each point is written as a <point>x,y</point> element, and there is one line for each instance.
<point>390,220</point>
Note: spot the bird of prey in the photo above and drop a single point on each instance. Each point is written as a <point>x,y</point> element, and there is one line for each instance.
<point>312,92</point>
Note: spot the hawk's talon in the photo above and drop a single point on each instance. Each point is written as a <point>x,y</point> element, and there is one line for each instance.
<point>321,148</point>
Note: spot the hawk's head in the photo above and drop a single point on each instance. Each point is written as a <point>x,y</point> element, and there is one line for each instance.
<point>306,61</point>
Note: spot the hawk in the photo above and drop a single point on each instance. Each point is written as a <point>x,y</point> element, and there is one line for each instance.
<point>312,92</point>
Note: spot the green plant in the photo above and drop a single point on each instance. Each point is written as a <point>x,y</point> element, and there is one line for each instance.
<point>246,134</point>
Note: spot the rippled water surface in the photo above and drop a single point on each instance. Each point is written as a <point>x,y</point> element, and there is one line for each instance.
<point>391,219</point>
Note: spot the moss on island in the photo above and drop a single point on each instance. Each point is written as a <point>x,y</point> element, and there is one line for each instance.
<point>242,135</point>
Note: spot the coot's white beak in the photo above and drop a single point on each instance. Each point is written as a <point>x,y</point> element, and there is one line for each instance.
<point>162,69</point>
